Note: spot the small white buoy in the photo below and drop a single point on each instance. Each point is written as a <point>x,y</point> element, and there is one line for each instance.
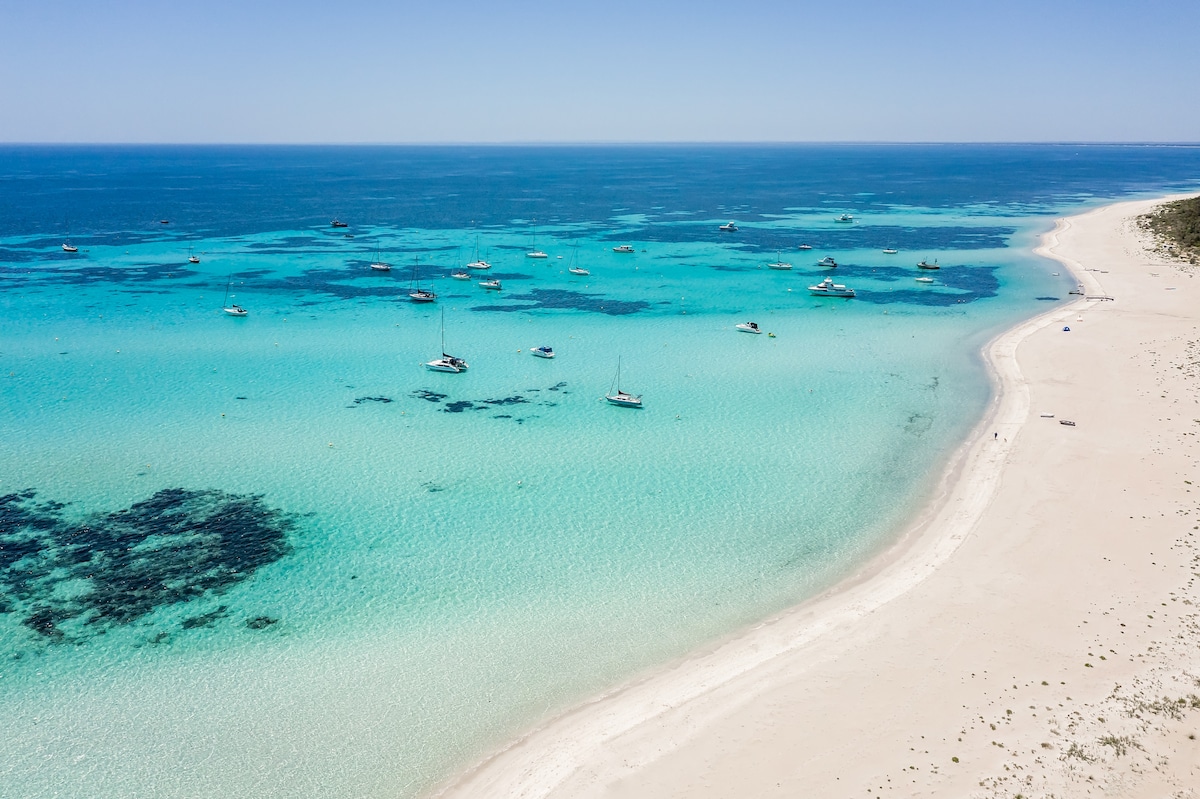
<point>331,443</point>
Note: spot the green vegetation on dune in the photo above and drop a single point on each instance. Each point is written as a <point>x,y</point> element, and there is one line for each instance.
<point>1177,226</point>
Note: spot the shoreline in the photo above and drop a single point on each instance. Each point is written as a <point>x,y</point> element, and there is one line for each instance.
<point>654,735</point>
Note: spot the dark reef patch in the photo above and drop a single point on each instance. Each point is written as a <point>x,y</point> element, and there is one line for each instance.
<point>430,396</point>
<point>86,274</point>
<point>515,400</point>
<point>561,299</point>
<point>68,578</point>
<point>971,283</point>
<point>383,400</point>
<point>461,405</point>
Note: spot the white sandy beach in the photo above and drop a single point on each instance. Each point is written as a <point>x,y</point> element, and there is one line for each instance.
<point>1035,633</point>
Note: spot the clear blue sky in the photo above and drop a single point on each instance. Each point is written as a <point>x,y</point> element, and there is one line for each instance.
<point>534,71</point>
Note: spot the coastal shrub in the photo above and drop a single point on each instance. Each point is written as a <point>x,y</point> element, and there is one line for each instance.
<point>1177,223</point>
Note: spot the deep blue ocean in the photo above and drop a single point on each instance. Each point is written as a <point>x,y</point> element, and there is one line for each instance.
<point>276,556</point>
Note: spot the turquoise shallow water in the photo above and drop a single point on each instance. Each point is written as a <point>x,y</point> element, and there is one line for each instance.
<point>457,555</point>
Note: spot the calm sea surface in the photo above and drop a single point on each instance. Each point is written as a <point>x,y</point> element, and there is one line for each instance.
<point>276,556</point>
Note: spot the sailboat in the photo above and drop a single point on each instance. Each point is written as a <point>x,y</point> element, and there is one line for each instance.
<point>419,294</point>
<point>622,398</point>
<point>446,363</point>
<point>379,265</point>
<point>478,263</point>
<point>192,258</point>
<point>67,245</point>
<point>779,263</point>
<point>235,309</point>
<point>572,268</point>
<point>535,252</point>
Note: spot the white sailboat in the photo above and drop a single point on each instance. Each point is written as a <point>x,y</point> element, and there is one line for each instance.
<point>378,264</point>
<point>478,263</point>
<point>534,252</point>
<point>193,258</point>
<point>67,245</point>
<point>418,294</point>
<point>446,363</point>
<point>234,309</point>
<point>779,263</point>
<point>574,268</point>
<point>621,397</point>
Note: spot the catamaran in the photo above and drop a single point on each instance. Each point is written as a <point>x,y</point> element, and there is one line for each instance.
<point>446,363</point>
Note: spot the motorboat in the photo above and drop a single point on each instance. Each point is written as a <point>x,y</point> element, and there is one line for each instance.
<point>491,285</point>
<point>804,247</point>
<point>542,352</point>
<point>446,363</point>
<point>335,222</point>
<point>827,288</point>
<point>924,280</point>
<point>624,248</point>
<point>927,265</point>
<point>460,275</point>
<point>827,261</point>
<point>890,251</point>
<point>69,247</point>
<point>779,263</point>
<point>622,398</point>
<point>844,218</point>
<point>749,327</point>
<point>728,227</point>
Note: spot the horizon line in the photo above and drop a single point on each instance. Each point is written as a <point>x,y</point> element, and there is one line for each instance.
<point>611,143</point>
